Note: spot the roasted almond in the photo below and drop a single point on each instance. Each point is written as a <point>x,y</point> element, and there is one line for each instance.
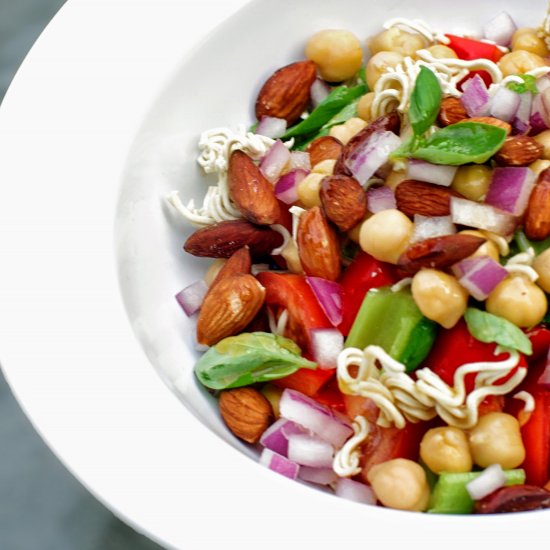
<point>451,112</point>
<point>519,151</point>
<point>491,121</point>
<point>318,246</point>
<point>250,190</point>
<point>417,197</point>
<point>344,201</point>
<point>222,240</point>
<point>286,93</point>
<point>389,123</point>
<point>324,148</point>
<point>229,307</point>
<point>246,412</point>
<point>517,498</point>
<point>438,252</point>
<point>537,216</point>
<point>240,262</point>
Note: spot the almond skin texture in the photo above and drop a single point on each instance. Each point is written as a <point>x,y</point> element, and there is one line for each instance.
<point>491,121</point>
<point>252,193</point>
<point>438,252</point>
<point>517,498</point>
<point>324,148</point>
<point>222,240</point>
<point>519,151</point>
<point>452,111</point>
<point>229,307</point>
<point>417,197</point>
<point>344,201</point>
<point>240,262</point>
<point>318,246</point>
<point>286,93</point>
<point>246,412</point>
<point>537,216</point>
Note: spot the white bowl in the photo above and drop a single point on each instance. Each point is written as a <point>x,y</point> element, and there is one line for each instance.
<point>152,458</point>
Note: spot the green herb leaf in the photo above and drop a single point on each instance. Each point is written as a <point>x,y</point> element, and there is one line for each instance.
<point>455,145</point>
<point>425,101</point>
<point>337,99</point>
<point>490,328</point>
<point>249,358</point>
<point>529,84</point>
<point>524,244</point>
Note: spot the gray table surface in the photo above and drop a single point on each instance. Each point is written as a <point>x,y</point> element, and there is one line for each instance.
<point>42,507</point>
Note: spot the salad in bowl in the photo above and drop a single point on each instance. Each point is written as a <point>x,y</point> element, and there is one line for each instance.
<point>374,320</point>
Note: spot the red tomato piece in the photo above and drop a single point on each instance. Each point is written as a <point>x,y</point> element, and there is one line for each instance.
<point>468,49</point>
<point>306,381</point>
<point>331,396</point>
<point>540,339</point>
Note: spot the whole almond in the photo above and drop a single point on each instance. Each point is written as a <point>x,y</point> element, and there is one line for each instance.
<point>519,151</point>
<point>324,148</point>
<point>250,190</point>
<point>318,246</point>
<point>286,94</point>
<point>451,112</point>
<point>417,197</point>
<point>438,252</point>
<point>537,216</point>
<point>246,412</point>
<point>344,201</point>
<point>240,262</point>
<point>228,308</point>
<point>222,240</point>
<point>491,121</point>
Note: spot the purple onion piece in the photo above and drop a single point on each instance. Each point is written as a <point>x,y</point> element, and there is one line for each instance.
<point>510,189</point>
<point>191,297</point>
<point>476,98</point>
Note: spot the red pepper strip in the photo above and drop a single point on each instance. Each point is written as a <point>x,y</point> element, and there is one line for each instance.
<point>364,273</point>
<point>306,381</point>
<point>468,49</point>
<point>331,396</point>
<point>540,339</point>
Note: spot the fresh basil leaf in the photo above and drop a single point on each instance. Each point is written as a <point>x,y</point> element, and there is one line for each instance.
<point>529,84</point>
<point>457,144</point>
<point>330,106</point>
<point>524,244</point>
<point>490,328</point>
<point>425,101</point>
<point>249,358</point>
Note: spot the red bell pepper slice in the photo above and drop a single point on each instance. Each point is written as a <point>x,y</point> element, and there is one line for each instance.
<point>468,49</point>
<point>364,273</point>
<point>540,339</point>
<point>306,381</point>
<point>331,395</point>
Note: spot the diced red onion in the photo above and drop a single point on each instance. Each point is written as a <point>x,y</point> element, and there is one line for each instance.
<point>300,159</point>
<point>426,227</point>
<point>543,83</point>
<point>279,464</point>
<point>192,296</point>
<point>275,161</point>
<point>504,104</point>
<point>479,276</point>
<point>319,91</point>
<point>276,436</point>
<point>310,450</point>
<point>482,216</point>
<point>544,379</point>
<point>319,419</point>
<point>540,119</point>
<point>320,476</point>
<point>491,479</point>
<point>329,296</point>
<point>431,173</point>
<point>380,198</point>
<point>521,122</point>
<point>367,158</point>
<point>500,29</point>
<point>510,189</point>
<point>476,98</point>
<point>354,490</point>
<point>286,188</point>
<point>271,127</point>
<point>326,344</point>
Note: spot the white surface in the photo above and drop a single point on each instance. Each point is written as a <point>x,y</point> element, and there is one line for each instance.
<point>102,77</point>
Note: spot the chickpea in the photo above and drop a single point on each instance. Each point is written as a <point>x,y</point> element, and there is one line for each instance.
<point>544,139</point>
<point>439,296</point>
<point>337,54</point>
<point>273,395</point>
<point>341,133</point>
<point>539,166</point>
<point>519,62</point>
<point>378,64</point>
<point>386,235</point>
<point>440,51</point>
<point>496,439</point>
<point>355,232</point>
<point>355,125</point>
<point>446,449</point>
<point>528,40</point>
<point>542,266</point>
<point>395,178</point>
<point>400,484</point>
<point>364,107</point>
<point>518,300</point>
<point>213,270</point>
<point>309,188</point>
<point>325,167</point>
<point>489,248</point>
<point>397,40</point>
<point>472,181</point>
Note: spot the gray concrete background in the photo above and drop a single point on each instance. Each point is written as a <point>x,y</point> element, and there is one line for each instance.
<point>42,507</point>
